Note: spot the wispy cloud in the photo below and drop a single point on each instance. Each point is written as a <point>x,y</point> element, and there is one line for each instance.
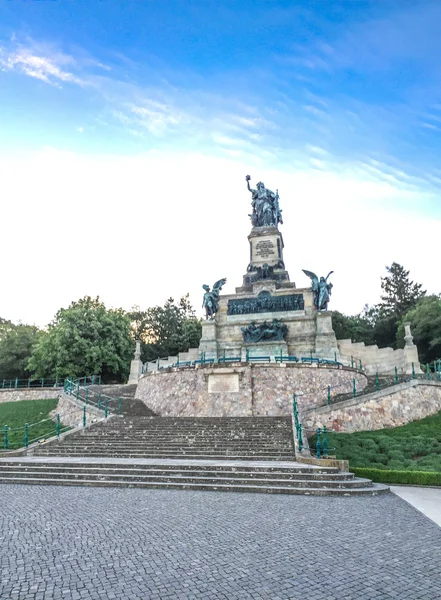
<point>303,126</point>
<point>54,68</point>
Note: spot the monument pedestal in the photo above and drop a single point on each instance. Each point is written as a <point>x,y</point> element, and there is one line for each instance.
<point>325,341</point>
<point>135,366</point>
<point>410,353</point>
<point>208,344</point>
<point>270,348</point>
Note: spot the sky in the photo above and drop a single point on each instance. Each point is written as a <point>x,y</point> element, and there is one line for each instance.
<point>127,129</point>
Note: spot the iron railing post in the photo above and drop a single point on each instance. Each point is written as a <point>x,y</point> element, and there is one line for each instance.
<point>318,452</point>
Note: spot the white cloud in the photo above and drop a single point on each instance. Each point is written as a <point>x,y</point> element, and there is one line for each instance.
<point>138,229</point>
<point>33,63</point>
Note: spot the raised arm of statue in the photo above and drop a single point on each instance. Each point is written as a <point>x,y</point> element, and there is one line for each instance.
<point>247,178</point>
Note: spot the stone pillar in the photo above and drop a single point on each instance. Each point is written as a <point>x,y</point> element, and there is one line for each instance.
<point>208,343</point>
<point>325,342</point>
<point>136,365</point>
<point>410,352</point>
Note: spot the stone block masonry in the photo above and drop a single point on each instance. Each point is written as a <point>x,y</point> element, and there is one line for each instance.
<point>13,395</point>
<point>243,389</point>
<point>386,408</point>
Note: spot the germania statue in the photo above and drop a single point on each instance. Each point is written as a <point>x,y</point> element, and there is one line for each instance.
<point>265,203</point>
<point>211,298</point>
<point>321,290</point>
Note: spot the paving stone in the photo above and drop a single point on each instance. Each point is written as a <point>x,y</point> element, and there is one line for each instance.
<point>105,543</point>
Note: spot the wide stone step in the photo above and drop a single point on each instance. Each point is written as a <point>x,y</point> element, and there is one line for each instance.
<point>200,478</point>
<point>188,455</point>
<point>181,472</point>
<point>175,442</point>
<point>180,464</point>
<point>373,490</point>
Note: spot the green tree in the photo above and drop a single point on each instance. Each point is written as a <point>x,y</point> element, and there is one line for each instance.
<point>425,320</point>
<point>16,345</point>
<point>85,339</point>
<point>166,330</point>
<point>358,328</point>
<point>400,295</point>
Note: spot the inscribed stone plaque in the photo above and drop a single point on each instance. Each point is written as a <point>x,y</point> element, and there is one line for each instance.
<point>265,249</point>
<point>223,383</point>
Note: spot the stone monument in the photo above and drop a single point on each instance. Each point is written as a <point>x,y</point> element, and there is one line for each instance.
<point>268,315</point>
<point>135,365</point>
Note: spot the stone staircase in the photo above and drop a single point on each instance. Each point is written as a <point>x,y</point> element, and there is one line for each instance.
<point>222,454</point>
<point>181,437</point>
<point>131,406</point>
<point>229,476</point>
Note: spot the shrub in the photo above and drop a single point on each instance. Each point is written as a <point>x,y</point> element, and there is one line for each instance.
<point>400,477</point>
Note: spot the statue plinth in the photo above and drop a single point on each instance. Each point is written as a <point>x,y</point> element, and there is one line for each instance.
<point>266,259</point>
<point>266,246</point>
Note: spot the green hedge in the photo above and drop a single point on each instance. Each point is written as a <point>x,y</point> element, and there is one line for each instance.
<point>402,477</point>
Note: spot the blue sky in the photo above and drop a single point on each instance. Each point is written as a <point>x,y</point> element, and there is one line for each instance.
<point>142,118</point>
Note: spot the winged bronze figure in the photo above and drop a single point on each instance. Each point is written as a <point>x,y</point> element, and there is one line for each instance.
<point>211,298</point>
<point>321,289</point>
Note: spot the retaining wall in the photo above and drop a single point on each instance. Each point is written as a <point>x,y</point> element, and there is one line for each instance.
<point>15,395</point>
<point>242,390</point>
<point>386,408</point>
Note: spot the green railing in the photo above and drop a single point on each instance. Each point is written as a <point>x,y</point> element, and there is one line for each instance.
<point>7,384</point>
<point>297,424</point>
<point>80,389</point>
<point>279,358</point>
<point>13,438</point>
<point>319,441</point>
<point>29,433</point>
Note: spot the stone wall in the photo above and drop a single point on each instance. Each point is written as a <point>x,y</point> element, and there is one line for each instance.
<point>380,360</point>
<point>386,408</point>
<point>71,412</point>
<point>14,395</point>
<point>242,389</point>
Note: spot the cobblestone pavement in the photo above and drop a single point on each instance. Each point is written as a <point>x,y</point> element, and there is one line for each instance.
<point>101,543</point>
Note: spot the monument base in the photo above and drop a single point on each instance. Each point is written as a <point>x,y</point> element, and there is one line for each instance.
<point>252,350</point>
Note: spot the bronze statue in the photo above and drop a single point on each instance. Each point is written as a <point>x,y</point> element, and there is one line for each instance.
<point>265,203</point>
<point>211,298</point>
<point>265,331</point>
<point>321,290</point>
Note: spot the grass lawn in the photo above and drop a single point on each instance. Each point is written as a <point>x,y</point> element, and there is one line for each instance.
<point>412,447</point>
<point>16,414</point>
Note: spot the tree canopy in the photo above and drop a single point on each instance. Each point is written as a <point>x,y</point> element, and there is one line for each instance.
<point>399,293</point>
<point>85,339</point>
<point>16,344</point>
<point>378,324</point>
<point>166,330</point>
<point>425,320</point>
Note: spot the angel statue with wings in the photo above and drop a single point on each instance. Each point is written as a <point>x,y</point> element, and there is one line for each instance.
<point>211,298</point>
<point>321,290</point>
